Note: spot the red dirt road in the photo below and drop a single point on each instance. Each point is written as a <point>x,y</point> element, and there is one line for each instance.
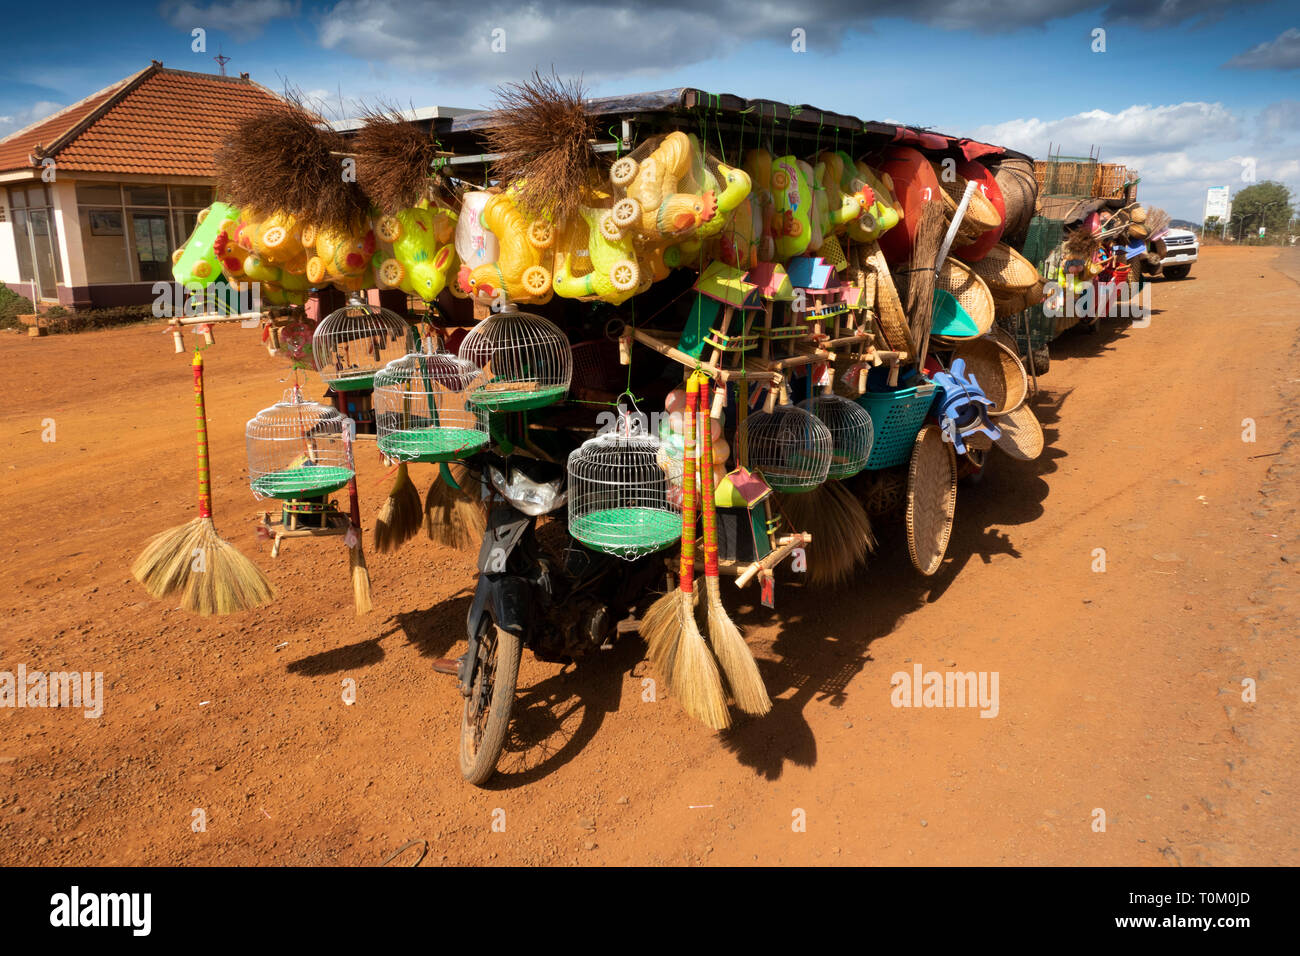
<point>1118,692</point>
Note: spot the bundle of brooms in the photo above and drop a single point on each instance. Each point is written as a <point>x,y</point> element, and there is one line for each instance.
<point>192,560</point>
<point>285,158</point>
<point>394,163</point>
<point>542,137</point>
<point>676,646</point>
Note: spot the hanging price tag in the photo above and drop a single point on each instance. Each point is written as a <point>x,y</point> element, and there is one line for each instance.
<point>767,589</point>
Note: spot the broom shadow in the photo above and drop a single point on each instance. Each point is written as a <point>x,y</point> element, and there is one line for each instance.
<point>353,656</point>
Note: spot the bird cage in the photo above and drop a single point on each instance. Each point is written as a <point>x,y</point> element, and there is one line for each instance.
<point>624,494</point>
<point>791,447</point>
<point>422,408</point>
<point>851,432</point>
<point>299,449</point>
<point>351,344</point>
<point>526,359</point>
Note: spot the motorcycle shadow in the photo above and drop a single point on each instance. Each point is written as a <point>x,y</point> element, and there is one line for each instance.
<point>554,719</point>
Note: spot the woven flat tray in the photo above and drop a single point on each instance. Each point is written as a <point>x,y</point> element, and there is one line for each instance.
<point>310,481</point>
<point>1022,435</point>
<point>931,499</point>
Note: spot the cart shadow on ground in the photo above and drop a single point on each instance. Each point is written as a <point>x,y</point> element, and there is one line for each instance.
<point>824,636</point>
<point>1107,336</point>
<point>821,645</point>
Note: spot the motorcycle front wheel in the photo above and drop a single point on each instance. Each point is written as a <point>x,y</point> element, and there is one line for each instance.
<point>486,717</point>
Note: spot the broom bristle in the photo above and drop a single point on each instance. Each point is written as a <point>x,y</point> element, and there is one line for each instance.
<point>659,628</point>
<point>542,138</point>
<point>840,528</point>
<point>360,580</point>
<point>208,573</point>
<point>734,656</point>
<point>696,680</point>
<point>920,279</point>
<point>394,160</point>
<point>399,519</point>
<point>285,158</point>
<point>451,517</point>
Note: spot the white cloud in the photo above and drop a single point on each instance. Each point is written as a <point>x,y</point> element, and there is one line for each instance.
<point>235,17</point>
<point>13,122</point>
<point>1135,129</point>
<point>1280,53</point>
<point>1179,149</point>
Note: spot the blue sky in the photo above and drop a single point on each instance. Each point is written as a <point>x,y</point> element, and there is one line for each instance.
<point>1191,92</point>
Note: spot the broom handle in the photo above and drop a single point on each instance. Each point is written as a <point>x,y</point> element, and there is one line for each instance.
<point>687,568</point>
<point>706,486</point>
<point>201,424</point>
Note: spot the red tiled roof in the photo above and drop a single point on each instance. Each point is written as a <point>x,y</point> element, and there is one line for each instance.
<point>159,122</point>
<point>16,148</point>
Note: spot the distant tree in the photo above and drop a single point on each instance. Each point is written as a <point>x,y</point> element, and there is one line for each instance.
<point>1265,204</point>
<point>1211,226</point>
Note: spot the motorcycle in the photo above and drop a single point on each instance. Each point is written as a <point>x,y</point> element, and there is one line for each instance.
<point>561,609</point>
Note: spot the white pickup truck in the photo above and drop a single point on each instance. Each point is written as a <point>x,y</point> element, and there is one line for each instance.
<point>1180,252</point>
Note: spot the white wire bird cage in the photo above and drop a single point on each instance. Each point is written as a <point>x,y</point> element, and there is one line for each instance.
<point>526,358</point>
<point>299,449</point>
<point>351,344</point>
<point>422,408</point>
<point>791,447</point>
<point>851,432</point>
<point>624,494</point>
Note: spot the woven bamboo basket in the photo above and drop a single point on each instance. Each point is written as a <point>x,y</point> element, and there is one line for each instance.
<point>1004,268</point>
<point>1009,302</point>
<point>998,371</point>
<point>957,279</point>
<point>981,214</point>
<point>1019,185</point>
<point>931,499</point>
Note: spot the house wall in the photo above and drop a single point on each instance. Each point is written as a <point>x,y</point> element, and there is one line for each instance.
<point>8,253</point>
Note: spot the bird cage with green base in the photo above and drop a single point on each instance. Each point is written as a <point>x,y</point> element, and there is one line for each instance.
<point>351,344</point>
<point>851,432</point>
<point>624,493</point>
<point>299,449</point>
<point>791,447</point>
<point>422,408</point>
<point>526,360</point>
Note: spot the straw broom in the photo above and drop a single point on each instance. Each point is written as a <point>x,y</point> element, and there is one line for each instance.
<point>353,538</point>
<point>840,528</point>
<point>451,517</point>
<point>192,560</point>
<point>676,645</point>
<point>728,643</point>
<point>399,519</point>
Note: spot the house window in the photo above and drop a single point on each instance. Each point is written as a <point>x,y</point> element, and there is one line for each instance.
<point>36,239</point>
<point>130,230</point>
